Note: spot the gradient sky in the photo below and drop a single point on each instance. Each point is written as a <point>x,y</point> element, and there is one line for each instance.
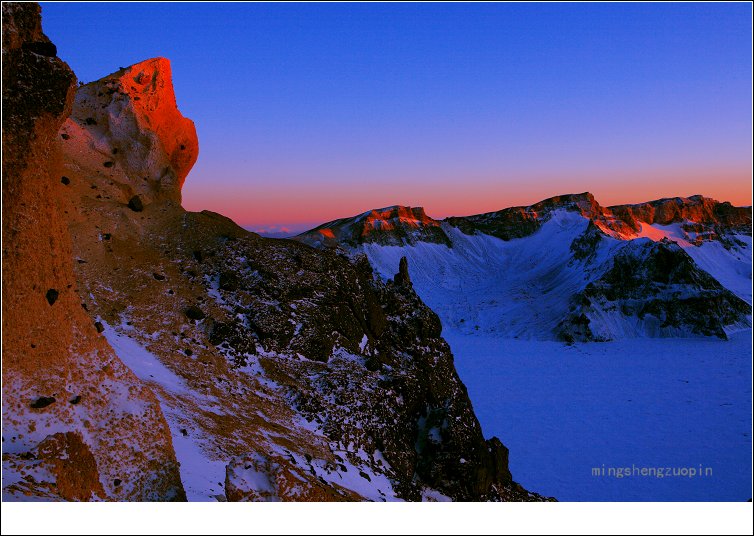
<point>307,113</point>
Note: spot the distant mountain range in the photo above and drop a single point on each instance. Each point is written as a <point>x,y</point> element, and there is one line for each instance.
<point>567,268</point>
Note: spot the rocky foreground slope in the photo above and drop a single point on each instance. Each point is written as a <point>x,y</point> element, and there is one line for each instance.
<point>268,369</point>
<point>568,268</point>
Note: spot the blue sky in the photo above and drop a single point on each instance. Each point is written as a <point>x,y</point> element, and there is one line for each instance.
<point>309,112</point>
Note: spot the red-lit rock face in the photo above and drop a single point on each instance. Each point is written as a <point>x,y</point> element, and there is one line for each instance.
<point>399,225</point>
<point>703,214</point>
<point>131,127</point>
<point>388,219</point>
<point>151,83</point>
<point>695,209</point>
<point>387,226</point>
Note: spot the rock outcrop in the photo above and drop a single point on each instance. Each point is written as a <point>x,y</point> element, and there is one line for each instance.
<point>518,222</point>
<point>659,286</point>
<point>703,219</point>
<point>135,132</point>
<point>75,419</point>
<point>402,277</point>
<point>706,219</point>
<point>695,209</point>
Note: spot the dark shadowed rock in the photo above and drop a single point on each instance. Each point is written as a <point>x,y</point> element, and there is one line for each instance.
<point>43,402</point>
<point>41,48</point>
<point>135,204</point>
<point>194,313</point>
<point>660,285</point>
<point>402,278</point>
<point>228,281</point>
<point>52,296</point>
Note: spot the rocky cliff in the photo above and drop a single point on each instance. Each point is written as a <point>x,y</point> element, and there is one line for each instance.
<point>275,370</point>
<point>701,219</point>
<point>661,289</point>
<point>77,423</point>
<point>286,373</point>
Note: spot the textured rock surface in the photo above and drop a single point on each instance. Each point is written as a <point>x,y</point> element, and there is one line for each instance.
<point>661,286</point>
<point>696,209</point>
<point>706,218</point>
<point>52,353</point>
<point>131,126</point>
<point>517,222</point>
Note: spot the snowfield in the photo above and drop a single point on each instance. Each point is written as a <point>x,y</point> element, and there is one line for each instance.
<point>518,288</point>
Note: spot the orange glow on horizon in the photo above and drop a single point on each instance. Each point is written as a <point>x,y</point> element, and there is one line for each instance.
<point>259,203</point>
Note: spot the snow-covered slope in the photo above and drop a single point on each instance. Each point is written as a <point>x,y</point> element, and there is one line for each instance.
<point>484,283</point>
<point>731,265</point>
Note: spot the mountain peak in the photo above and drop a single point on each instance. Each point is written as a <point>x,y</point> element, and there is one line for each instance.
<point>693,210</point>
<point>393,225</point>
<point>389,217</point>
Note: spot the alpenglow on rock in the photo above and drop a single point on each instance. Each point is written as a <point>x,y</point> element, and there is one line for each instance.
<point>131,126</point>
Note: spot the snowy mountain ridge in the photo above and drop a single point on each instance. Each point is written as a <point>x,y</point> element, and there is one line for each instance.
<point>569,269</point>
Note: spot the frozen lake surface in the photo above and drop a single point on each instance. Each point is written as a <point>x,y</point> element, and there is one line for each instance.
<point>655,403</point>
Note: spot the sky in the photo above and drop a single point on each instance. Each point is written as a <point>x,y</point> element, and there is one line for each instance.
<point>311,112</point>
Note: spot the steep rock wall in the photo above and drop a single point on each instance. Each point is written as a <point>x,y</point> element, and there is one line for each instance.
<point>65,393</point>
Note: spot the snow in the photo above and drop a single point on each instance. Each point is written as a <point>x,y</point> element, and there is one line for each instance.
<point>355,468</point>
<point>563,410</point>
<point>522,288</point>
<point>357,477</point>
<point>253,476</point>
<point>213,290</point>
<point>431,495</point>
<point>21,480</point>
<point>202,476</point>
<point>519,288</point>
